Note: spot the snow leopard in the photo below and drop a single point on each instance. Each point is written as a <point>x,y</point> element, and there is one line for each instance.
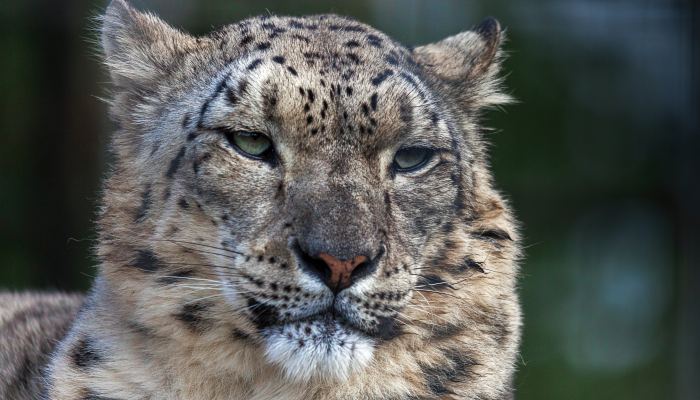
<point>298,208</point>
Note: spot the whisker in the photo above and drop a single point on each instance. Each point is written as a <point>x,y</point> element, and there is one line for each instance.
<point>176,241</point>
<point>204,298</point>
<point>188,278</point>
<point>438,292</point>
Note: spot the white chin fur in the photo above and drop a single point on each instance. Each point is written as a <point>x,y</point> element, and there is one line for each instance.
<point>318,349</point>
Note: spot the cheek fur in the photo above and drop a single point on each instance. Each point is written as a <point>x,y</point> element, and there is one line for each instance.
<point>240,192</point>
<point>424,203</point>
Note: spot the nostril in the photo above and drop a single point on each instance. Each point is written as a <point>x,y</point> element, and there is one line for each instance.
<point>366,268</point>
<point>313,265</point>
<point>362,270</point>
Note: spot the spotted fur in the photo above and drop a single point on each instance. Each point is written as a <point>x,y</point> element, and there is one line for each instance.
<point>209,286</point>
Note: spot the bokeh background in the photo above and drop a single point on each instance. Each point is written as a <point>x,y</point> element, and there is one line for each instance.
<point>599,158</point>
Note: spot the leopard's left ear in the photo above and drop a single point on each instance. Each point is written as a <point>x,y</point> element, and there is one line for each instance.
<point>468,64</point>
<point>139,47</point>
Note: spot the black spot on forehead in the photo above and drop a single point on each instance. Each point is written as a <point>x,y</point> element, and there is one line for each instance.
<point>311,54</point>
<point>381,77</point>
<point>254,64</point>
<point>219,89</point>
<point>246,40</point>
<point>263,46</point>
<point>301,37</point>
<point>347,75</point>
<point>374,40</point>
<point>346,28</point>
<point>276,32</point>
<point>354,58</point>
<point>409,79</point>
<point>297,24</point>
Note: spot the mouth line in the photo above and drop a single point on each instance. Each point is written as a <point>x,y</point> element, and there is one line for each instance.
<point>386,329</point>
<point>330,319</point>
<point>327,316</point>
<point>267,318</point>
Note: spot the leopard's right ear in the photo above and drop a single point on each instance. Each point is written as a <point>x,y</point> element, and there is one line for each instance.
<point>468,64</point>
<point>139,47</point>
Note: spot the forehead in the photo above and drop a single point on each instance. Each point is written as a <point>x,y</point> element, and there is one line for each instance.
<point>320,76</point>
<point>327,42</point>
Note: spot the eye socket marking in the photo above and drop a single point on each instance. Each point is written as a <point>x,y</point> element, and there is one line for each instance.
<point>254,145</point>
<point>409,159</point>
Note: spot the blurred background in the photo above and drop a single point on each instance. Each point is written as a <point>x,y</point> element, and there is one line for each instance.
<point>599,159</point>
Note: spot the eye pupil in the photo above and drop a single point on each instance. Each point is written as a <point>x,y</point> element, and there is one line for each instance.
<point>411,158</point>
<point>252,144</point>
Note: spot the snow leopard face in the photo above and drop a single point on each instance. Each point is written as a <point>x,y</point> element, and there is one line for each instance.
<point>308,187</point>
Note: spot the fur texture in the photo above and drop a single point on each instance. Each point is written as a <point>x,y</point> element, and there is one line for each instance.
<point>30,326</point>
<point>211,285</point>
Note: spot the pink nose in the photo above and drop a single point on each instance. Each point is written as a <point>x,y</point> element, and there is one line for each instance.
<point>341,270</point>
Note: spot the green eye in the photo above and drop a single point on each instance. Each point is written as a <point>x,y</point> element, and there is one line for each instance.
<point>411,158</point>
<point>252,144</point>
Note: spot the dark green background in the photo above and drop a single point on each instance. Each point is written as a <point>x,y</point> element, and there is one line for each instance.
<point>598,158</point>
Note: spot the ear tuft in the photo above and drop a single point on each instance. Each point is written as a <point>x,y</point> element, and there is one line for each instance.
<point>468,64</point>
<point>489,28</point>
<point>490,32</point>
<point>114,22</point>
<point>138,47</point>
